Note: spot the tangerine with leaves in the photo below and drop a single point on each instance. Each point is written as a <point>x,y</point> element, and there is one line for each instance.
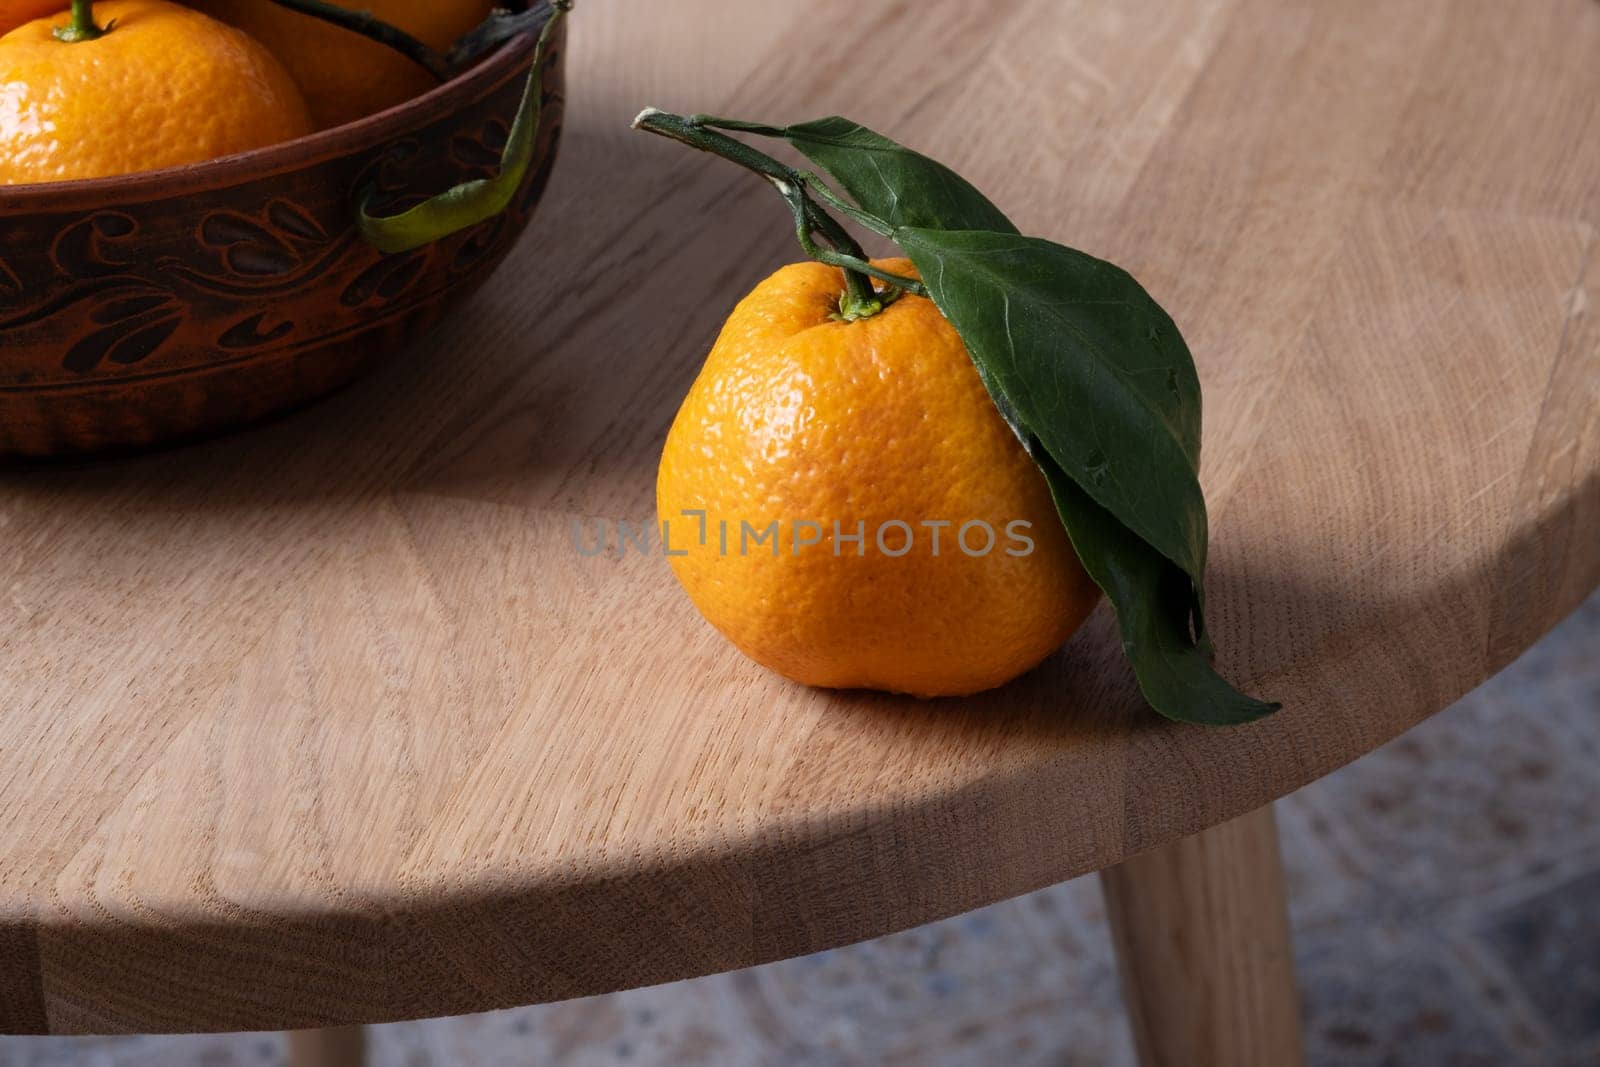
<point>135,85</point>
<point>1065,359</point>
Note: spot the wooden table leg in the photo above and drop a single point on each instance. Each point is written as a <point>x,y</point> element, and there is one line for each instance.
<point>336,1046</point>
<point>1202,934</point>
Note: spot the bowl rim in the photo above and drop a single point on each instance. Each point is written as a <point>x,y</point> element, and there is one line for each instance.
<point>240,168</point>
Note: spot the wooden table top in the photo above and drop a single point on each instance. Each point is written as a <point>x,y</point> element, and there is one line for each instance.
<point>328,722</point>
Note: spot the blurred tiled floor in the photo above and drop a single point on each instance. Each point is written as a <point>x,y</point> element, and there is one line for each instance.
<point>1446,903</point>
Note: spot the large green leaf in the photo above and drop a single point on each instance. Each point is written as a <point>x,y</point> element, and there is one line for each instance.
<point>1097,371</point>
<point>1093,367</point>
<point>1153,602</point>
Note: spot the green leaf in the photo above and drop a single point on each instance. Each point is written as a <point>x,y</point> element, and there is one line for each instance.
<point>890,181</point>
<point>481,199</point>
<point>1152,598</point>
<point>1101,378</point>
<point>1097,371</point>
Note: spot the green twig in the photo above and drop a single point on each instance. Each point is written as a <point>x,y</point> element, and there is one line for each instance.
<point>826,194</point>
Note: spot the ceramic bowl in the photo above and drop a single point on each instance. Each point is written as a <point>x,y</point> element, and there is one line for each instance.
<point>153,307</point>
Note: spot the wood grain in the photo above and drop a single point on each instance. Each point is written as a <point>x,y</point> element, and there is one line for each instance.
<point>328,723</point>
<point>1201,927</point>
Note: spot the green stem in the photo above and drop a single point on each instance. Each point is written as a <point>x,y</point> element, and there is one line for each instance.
<point>376,29</point>
<point>814,182</point>
<point>826,194</point>
<point>860,299</point>
<point>82,27</point>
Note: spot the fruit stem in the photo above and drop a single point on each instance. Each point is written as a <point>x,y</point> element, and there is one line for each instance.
<point>860,299</point>
<point>376,29</point>
<point>82,27</point>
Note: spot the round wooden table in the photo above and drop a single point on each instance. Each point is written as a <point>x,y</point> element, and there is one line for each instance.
<point>329,723</point>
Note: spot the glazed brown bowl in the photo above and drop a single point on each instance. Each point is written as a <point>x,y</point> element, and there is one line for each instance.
<point>171,304</point>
